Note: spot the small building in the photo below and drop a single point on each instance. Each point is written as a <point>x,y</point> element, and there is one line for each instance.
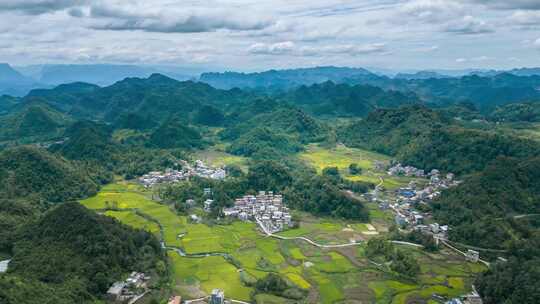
<point>473,298</point>
<point>472,256</point>
<point>217,297</point>
<point>207,191</point>
<point>208,205</point>
<point>115,291</point>
<point>190,203</point>
<point>400,220</point>
<point>435,228</point>
<point>4,265</point>
<point>194,218</point>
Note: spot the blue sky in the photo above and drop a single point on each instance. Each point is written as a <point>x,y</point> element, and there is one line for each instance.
<point>255,35</point>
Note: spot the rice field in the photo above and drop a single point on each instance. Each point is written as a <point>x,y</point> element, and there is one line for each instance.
<point>217,158</point>
<point>123,196</point>
<point>342,156</point>
<point>331,275</point>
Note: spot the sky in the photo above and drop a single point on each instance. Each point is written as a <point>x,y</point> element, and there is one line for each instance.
<point>252,35</point>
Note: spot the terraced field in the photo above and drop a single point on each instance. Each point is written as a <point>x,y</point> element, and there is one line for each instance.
<point>329,275</point>
<point>341,157</point>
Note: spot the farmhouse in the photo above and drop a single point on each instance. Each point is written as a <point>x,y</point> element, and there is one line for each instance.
<point>134,286</point>
<point>217,297</point>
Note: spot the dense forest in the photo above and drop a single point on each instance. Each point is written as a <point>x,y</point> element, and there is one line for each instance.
<point>425,138</point>
<point>76,253</point>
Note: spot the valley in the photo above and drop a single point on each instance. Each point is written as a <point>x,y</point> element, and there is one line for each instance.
<point>263,196</point>
<point>231,256</point>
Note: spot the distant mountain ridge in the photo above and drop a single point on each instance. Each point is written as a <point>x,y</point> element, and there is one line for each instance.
<point>283,79</point>
<point>12,82</point>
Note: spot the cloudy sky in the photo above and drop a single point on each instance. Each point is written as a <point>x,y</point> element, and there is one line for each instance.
<point>260,34</point>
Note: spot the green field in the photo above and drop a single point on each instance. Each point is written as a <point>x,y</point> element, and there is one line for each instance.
<point>127,196</point>
<point>132,219</point>
<point>330,275</point>
<point>217,158</point>
<point>341,157</point>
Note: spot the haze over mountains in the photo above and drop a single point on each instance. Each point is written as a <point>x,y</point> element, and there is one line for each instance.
<point>18,81</point>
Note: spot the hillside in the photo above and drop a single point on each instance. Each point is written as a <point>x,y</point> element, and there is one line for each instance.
<point>78,254</point>
<point>33,119</point>
<point>86,140</point>
<point>330,99</point>
<point>485,92</point>
<point>281,119</point>
<point>175,133</point>
<point>517,112</point>
<point>424,138</point>
<point>155,98</point>
<point>480,210</point>
<point>36,174</point>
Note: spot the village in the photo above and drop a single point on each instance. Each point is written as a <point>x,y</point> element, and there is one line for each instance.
<point>266,208</point>
<point>199,169</point>
<point>406,202</point>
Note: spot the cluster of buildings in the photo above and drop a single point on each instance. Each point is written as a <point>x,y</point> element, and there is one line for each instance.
<point>407,198</point>
<point>135,286</point>
<point>266,208</point>
<point>399,169</point>
<point>171,176</point>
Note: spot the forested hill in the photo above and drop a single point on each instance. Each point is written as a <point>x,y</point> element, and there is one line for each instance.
<point>517,112</point>
<point>33,118</point>
<point>497,208</point>
<point>485,92</point>
<point>73,255</point>
<point>34,173</point>
<point>156,97</point>
<point>331,99</point>
<point>424,138</point>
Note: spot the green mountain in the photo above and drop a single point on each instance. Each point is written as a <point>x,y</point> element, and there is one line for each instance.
<point>7,103</point>
<point>264,142</point>
<point>175,133</point>
<point>87,140</point>
<point>485,92</point>
<point>280,119</point>
<point>155,98</point>
<point>283,79</point>
<point>330,99</point>
<point>480,210</point>
<point>36,174</point>
<point>517,112</point>
<point>426,139</point>
<point>33,119</point>
<point>78,254</point>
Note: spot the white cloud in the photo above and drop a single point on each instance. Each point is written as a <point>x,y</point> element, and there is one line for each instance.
<point>170,20</point>
<point>469,25</point>
<point>525,18</point>
<point>291,48</point>
<point>537,43</point>
<point>430,11</point>
<point>280,48</point>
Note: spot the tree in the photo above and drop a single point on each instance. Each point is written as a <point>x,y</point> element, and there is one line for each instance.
<point>354,169</point>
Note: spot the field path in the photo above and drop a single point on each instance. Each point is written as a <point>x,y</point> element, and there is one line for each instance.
<point>268,233</point>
